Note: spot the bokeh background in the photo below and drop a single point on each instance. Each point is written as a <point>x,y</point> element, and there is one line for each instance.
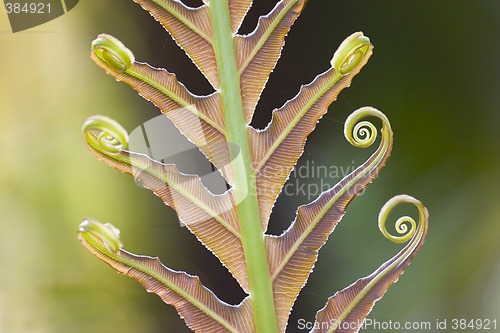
<point>434,73</point>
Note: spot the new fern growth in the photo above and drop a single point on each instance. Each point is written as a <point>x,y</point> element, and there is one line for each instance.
<point>255,163</point>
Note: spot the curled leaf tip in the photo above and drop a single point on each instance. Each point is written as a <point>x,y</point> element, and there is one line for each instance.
<point>105,135</point>
<point>112,52</point>
<point>405,226</point>
<point>351,53</point>
<point>361,133</point>
<point>108,234</point>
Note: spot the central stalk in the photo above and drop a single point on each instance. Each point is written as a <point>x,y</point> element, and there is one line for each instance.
<point>252,235</point>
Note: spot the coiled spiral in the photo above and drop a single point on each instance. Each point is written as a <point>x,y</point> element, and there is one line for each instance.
<point>350,53</point>
<point>105,135</point>
<point>361,133</point>
<point>406,226</point>
<point>106,233</point>
<point>112,52</point>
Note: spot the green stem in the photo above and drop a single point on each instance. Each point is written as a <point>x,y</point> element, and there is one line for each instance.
<point>259,280</point>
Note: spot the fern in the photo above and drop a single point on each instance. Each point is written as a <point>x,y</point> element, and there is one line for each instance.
<point>256,164</point>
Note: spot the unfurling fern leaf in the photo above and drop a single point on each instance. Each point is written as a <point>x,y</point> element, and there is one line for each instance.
<point>256,164</point>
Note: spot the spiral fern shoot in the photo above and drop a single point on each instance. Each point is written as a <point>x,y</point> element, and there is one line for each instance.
<point>270,269</point>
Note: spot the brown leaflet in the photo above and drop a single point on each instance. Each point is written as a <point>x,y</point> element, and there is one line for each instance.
<point>258,52</point>
<point>198,306</point>
<point>199,118</point>
<point>190,28</point>
<point>292,255</point>
<point>211,218</point>
<point>277,148</point>
<point>238,10</point>
<point>347,309</point>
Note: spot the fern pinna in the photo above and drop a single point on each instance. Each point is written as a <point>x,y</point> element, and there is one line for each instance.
<point>255,163</point>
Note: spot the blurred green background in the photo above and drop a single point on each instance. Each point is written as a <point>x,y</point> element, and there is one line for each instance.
<point>434,73</point>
